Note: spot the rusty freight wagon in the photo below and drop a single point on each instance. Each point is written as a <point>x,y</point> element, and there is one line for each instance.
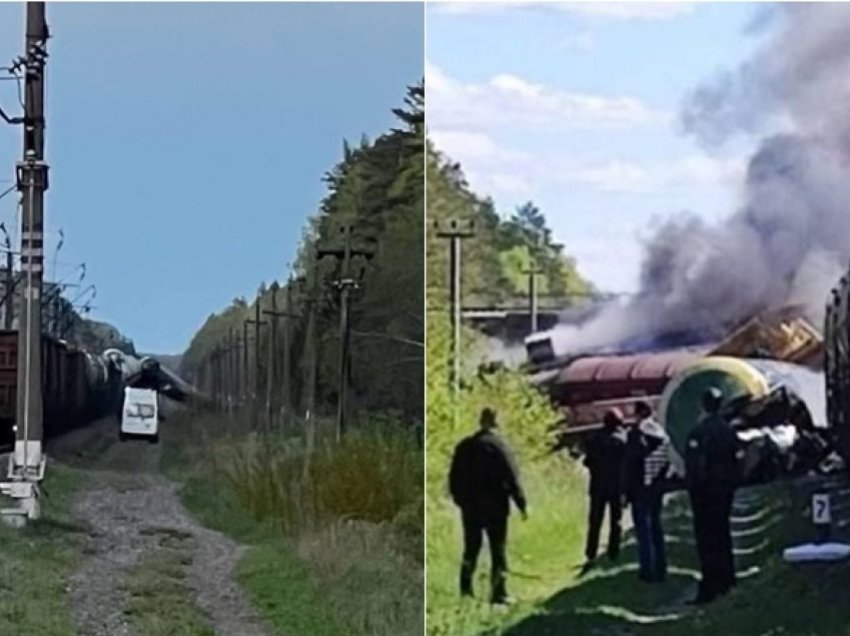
<point>77,387</point>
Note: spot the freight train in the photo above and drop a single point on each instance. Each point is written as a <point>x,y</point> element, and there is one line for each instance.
<point>78,387</point>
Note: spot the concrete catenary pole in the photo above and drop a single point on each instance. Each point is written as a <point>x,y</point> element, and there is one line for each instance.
<point>27,464</point>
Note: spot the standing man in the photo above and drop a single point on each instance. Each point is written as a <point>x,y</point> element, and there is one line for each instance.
<point>647,464</point>
<point>483,479</point>
<point>711,475</point>
<point>604,456</point>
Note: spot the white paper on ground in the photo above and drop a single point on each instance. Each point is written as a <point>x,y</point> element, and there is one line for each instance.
<point>816,552</point>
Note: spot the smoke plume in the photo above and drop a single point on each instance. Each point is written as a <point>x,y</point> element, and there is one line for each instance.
<point>789,240</point>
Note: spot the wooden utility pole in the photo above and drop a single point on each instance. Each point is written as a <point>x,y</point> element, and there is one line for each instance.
<point>228,373</point>
<point>237,368</point>
<point>345,283</point>
<point>27,466</point>
<point>255,392</point>
<point>455,230</point>
<point>271,372</point>
<point>287,349</point>
<point>215,358</point>
<point>232,362</point>
<point>244,374</point>
<point>311,356</point>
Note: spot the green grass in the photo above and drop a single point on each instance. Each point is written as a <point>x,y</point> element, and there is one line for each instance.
<point>279,584</point>
<point>161,601</point>
<point>36,562</point>
<point>343,548</point>
<point>542,553</point>
<point>773,598</point>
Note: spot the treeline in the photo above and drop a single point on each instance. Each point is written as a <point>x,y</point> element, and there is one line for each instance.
<point>502,250</point>
<point>376,190</point>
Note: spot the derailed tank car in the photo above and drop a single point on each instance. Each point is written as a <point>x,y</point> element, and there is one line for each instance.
<point>776,408</point>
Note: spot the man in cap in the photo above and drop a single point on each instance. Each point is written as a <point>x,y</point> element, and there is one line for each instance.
<point>711,475</point>
<point>604,455</point>
<point>646,466</point>
<point>483,480</point>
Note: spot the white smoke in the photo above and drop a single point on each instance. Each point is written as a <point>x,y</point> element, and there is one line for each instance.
<point>510,355</point>
<point>789,240</point>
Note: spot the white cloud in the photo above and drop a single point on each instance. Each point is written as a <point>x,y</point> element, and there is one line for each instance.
<point>477,146</point>
<point>495,170</point>
<point>645,11</point>
<point>647,178</point>
<point>490,168</point>
<point>510,100</point>
<point>631,10</point>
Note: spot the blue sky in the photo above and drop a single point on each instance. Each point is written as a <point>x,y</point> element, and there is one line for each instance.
<point>187,142</point>
<point>575,106</point>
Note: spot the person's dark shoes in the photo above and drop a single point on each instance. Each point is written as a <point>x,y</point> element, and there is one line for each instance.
<point>702,599</point>
<point>502,601</point>
<point>466,581</point>
<point>587,567</point>
<point>653,577</point>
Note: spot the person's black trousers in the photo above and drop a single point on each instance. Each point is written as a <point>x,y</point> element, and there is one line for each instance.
<point>598,503</point>
<point>712,512</point>
<point>475,526</point>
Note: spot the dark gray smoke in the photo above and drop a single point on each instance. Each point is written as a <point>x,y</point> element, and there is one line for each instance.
<point>789,241</point>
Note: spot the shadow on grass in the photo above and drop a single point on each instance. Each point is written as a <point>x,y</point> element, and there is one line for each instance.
<point>610,599</point>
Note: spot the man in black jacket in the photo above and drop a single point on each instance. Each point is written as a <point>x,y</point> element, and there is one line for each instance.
<point>711,474</point>
<point>604,456</point>
<point>483,479</point>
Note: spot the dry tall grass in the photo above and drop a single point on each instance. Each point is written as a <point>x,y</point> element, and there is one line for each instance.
<point>373,474</point>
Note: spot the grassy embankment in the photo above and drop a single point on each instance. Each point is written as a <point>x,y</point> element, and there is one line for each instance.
<point>36,561</point>
<point>335,547</point>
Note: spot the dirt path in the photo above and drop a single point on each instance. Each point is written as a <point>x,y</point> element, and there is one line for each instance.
<point>132,512</point>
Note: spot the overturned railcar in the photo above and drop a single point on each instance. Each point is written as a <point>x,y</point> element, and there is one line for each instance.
<point>776,408</point>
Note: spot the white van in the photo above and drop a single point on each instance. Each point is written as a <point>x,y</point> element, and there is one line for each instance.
<point>140,415</point>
